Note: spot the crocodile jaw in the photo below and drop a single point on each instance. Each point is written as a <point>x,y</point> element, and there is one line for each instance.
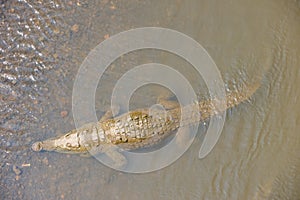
<point>47,145</point>
<point>68,143</point>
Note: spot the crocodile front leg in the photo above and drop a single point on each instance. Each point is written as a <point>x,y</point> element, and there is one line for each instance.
<point>165,101</point>
<point>109,113</point>
<point>117,159</point>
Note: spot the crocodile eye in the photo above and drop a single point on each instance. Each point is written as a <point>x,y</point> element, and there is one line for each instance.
<point>67,135</point>
<point>68,145</point>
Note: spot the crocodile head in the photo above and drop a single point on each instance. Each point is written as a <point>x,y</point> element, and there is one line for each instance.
<point>68,143</point>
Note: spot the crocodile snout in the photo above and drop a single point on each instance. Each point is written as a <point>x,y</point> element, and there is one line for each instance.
<point>37,146</point>
<point>47,145</point>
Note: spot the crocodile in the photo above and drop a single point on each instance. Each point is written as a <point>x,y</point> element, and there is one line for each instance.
<point>140,128</point>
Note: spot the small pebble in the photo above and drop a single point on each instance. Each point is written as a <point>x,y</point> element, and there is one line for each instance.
<point>75,28</point>
<point>56,31</point>
<point>64,113</point>
<point>16,170</point>
<point>106,36</point>
<point>112,7</point>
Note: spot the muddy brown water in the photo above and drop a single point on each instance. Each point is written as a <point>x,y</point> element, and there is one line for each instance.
<point>43,44</point>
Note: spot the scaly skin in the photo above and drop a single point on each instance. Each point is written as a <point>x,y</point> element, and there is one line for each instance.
<point>137,129</point>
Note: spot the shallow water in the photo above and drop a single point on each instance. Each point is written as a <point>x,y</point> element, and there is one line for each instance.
<point>43,44</point>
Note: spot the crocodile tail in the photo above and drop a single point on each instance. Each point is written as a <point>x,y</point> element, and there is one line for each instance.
<point>213,107</point>
<point>235,97</point>
<point>207,108</point>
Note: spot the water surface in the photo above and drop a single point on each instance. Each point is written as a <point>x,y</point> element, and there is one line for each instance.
<point>43,44</point>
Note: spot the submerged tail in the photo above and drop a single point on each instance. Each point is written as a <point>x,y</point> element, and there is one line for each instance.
<point>235,97</point>
<point>213,107</point>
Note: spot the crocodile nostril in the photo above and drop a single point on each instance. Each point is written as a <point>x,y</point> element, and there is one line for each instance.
<point>36,146</point>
